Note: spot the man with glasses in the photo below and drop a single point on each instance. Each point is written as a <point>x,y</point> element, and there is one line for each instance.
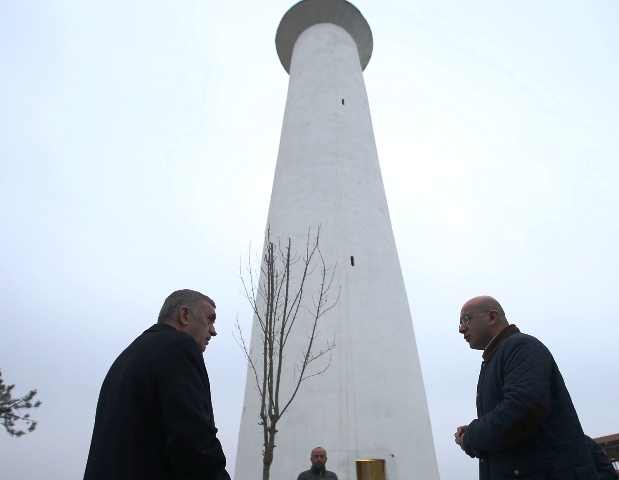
<point>526,423</point>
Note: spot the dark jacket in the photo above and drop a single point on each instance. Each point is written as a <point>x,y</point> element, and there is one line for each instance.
<point>314,472</point>
<point>603,465</point>
<point>154,418</point>
<point>527,426</point>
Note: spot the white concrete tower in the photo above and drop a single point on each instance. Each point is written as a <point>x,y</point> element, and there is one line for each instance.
<point>370,403</point>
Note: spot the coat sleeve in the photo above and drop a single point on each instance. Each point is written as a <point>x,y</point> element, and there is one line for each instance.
<point>523,404</point>
<point>192,448</point>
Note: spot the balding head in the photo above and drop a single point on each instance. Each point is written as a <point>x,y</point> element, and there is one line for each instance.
<point>486,302</point>
<point>318,457</point>
<point>481,318</point>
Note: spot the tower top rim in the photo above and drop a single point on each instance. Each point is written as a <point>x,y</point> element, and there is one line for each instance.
<point>311,12</point>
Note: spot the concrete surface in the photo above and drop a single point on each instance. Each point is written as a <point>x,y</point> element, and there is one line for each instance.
<point>371,402</point>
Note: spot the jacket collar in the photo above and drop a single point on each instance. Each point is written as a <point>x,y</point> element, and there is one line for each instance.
<point>496,342</point>
<point>318,471</point>
<point>161,327</point>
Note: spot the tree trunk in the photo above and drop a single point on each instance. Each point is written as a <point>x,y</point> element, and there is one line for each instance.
<point>267,460</point>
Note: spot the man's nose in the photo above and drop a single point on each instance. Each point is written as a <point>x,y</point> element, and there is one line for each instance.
<point>213,332</point>
<point>462,328</point>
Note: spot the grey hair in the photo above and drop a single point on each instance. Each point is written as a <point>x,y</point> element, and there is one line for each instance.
<point>178,299</point>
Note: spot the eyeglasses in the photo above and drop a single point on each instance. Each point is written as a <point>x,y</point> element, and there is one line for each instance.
<point>464,320</point>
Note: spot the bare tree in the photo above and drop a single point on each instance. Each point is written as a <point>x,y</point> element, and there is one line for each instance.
<point>276,293</point>
<point>10,409</point>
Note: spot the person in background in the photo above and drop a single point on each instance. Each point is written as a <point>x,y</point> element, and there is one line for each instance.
<point>318,458</point>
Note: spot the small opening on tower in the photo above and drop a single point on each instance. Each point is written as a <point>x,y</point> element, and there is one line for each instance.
<point>352,260</point>
<point>342,101</point>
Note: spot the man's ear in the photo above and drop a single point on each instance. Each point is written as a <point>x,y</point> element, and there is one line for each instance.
<point>183,316</point>
<point>494,317</point>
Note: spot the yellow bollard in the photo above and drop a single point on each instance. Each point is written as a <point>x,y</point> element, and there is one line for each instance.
<point>371,469</point>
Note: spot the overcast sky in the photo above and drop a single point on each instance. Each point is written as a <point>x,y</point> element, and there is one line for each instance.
<point>138,142</point>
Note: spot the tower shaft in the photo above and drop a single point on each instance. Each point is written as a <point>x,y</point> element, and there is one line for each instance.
<point>370,402</point>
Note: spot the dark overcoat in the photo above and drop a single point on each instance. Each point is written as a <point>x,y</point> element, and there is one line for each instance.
<point>154,417</point>
<point>527,426</point>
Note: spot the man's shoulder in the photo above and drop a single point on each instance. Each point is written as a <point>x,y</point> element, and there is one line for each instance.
<point>166,336</point>
<point>521,339</point>
<point>523,345</point>
<point>157,351</point>
<point>160,342</point>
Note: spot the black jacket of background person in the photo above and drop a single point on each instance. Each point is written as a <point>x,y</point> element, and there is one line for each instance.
<point>317,473</point>
<point>154,418</point>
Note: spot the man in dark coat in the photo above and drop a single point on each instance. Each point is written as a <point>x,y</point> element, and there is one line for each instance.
<point>154,418</point>
<point>318,457</point>
<point>527,426</point>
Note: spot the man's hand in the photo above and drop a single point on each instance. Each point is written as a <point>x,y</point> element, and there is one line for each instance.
<point>460,435</point>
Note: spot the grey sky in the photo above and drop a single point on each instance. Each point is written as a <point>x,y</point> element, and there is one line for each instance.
<point>137,146</point>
